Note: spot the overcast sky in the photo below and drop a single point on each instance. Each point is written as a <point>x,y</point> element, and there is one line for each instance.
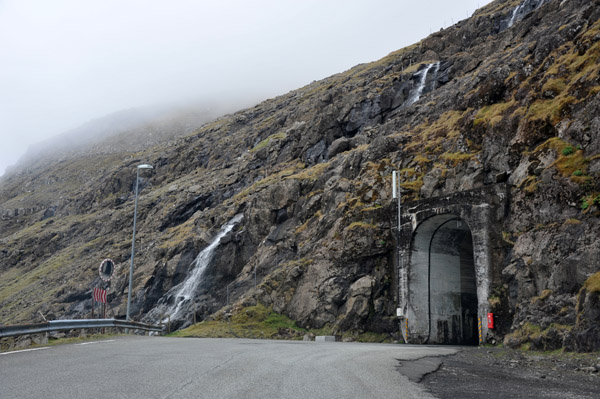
<point>64,62</point>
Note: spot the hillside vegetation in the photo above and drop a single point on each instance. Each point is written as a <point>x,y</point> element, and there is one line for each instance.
<point>311,173</point>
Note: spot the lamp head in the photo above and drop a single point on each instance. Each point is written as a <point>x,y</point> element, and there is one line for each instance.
<point>145,166</point>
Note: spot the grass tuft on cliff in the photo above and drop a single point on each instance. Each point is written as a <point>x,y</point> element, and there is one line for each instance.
<point>592,284</point>
<point>263,322</point>
<point>256,321</point>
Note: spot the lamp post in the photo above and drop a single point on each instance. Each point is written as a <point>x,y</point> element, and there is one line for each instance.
<point>137,183</point>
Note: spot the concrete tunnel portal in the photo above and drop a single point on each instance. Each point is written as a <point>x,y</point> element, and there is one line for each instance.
<point>449,254</point>
<point>443,284</point>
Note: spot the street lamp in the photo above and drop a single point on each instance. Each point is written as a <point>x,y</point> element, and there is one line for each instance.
<point>137,182</point>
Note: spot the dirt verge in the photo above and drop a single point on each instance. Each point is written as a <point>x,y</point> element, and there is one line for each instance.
<point>507,373</point>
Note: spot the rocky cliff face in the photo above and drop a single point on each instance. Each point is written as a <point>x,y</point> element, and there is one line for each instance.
<point>505,96</point>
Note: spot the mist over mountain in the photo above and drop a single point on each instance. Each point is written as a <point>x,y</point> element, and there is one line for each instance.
<point>68,62</point>
<point>125,131</point>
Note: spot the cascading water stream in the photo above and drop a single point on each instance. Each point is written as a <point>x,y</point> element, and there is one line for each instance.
<point>528,6</point>
<point>414,97</point>
<point>514,15</point>
<point>186,290</point>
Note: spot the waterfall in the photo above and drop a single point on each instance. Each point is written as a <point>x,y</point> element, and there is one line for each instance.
<point>514,15</point>
<point>186,290</point>
<point>414,97</point>
<point>525,7</point>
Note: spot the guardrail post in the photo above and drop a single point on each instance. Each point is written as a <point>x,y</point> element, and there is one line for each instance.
<point>66,325</point>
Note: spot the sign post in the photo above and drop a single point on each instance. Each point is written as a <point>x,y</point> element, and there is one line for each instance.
<point>106,272</point>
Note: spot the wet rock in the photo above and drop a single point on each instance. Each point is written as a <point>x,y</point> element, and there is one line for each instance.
<point>316,153</point>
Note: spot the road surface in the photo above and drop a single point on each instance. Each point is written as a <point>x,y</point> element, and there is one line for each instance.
<point>159,367</point>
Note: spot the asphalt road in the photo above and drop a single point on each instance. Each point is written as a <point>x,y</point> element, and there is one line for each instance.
<point>158,367</point>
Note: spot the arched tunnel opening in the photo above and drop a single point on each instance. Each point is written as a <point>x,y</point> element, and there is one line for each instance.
<point>442,282</point>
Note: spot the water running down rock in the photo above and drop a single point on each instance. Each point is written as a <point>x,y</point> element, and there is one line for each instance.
<point>514,15</point>
<point>523,9</point>
<point>170,305</point>
<point>416,95</point>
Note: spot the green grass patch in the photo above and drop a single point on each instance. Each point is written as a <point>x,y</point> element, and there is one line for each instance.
<point>555,143</point>
<point>590,200</point>
<point>456,158</point>
<point>268,140</point>
<point>567,165</point>
<point>361,225</point>
<point>585,204</point>
<point>268,180</point>
<point>592,284</point>
<point>372,208</point>
<point>407,172</point>
<point>495,7</point>
<point>492,114</point>
<point>421,160</point>
<point>178,234</point>
<point>414,185</point>
<point>570,161</point>
<point>555,86</point>
<point>313,193</point>
<point>553,110</point>
<point>16,281</point>
<point>568,150</point>
<point>302,227</point>
<point>251,322</point>
<point>311,174</point>
<point>415,67</point>
<point>527,331</point>
<point>543,296</point>
<point>368,336</point>
<point>529,185</point>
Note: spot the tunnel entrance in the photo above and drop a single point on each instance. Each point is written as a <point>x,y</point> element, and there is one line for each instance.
<point>442,282</point>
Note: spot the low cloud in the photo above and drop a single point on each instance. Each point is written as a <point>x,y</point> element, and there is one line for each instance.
<point>67,61</point>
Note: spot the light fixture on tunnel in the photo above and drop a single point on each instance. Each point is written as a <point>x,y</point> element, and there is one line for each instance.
<point>458,224</point>
<point>137,183</point>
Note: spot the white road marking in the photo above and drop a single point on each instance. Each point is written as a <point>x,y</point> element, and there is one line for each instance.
<point>24,350</point>
<point>95,342</point>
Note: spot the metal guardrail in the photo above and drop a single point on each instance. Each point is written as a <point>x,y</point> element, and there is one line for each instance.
<point>63,325</point>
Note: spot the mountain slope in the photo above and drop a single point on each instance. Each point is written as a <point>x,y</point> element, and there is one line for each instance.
<point>503,96</point>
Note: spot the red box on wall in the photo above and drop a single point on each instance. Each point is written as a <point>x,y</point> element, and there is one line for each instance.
<point>490,317</point>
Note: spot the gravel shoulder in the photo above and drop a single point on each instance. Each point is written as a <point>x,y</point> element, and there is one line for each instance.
<point>508,373</point>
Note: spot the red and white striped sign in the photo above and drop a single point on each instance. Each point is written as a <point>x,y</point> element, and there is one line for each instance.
<point>99,295</point>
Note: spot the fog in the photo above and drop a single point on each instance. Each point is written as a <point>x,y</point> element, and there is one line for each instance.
<point>65,62</point>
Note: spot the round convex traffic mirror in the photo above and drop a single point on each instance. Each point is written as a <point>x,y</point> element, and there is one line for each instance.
<point>107,269</point>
